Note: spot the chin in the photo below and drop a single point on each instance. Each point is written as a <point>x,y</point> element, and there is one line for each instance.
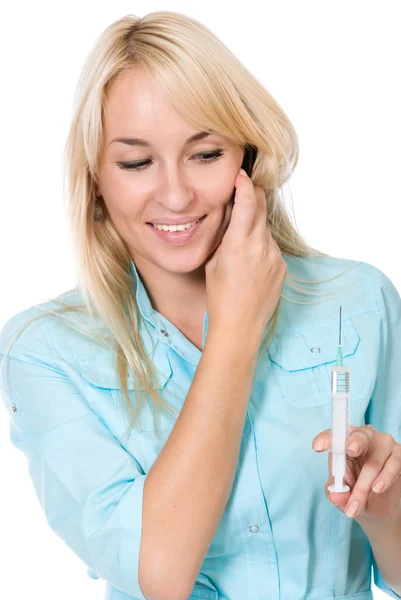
<point>185,261</point>
<point>185,264</point>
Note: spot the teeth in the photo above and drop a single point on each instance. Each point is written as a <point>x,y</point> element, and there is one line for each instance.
<point>175,227</point>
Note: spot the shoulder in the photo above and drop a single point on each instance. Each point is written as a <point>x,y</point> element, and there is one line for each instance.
<point>381,284</point>
<point>385,296</point>
<point>317,286</point>
<point>73,342</point>
<point>23,331</point>
<point>317,267</point>
<point>320,266</point>
<point>41,350</point>
<point>60,326</point>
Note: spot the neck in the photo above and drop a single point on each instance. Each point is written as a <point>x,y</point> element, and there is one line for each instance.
<point>180,297</point>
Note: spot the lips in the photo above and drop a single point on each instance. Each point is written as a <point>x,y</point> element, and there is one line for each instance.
<point>179,238</point>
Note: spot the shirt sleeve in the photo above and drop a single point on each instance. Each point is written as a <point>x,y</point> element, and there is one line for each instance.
<point>384,411</point>
<point>89,487</point>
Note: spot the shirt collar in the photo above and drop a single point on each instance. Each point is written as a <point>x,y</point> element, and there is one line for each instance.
<point>142,298</point>
<point>164,329</point>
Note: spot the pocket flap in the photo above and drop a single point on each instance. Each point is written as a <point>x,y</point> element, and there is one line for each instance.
<point>100,369</point>
<point>303,349</point>
<point>202,591</point>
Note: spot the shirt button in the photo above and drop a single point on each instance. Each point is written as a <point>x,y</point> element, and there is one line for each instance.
<point>315,349</point>
<point>164,332</point>
<point>254,528</point>
<point>13,408</point>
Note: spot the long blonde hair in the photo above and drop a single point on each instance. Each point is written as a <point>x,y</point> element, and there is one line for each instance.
<point>216,92</point>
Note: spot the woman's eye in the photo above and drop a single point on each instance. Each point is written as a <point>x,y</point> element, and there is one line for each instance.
<point>202,158</point>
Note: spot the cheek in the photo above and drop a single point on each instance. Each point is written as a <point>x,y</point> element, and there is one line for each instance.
<point>123,202</point>
<point>125,213</point>
<point>118,184</point>
<point>220,196</point>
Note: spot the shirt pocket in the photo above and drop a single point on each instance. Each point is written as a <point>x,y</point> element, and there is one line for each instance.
<point>100,371</point>
<point>203,592</point>
<point>302,362</point>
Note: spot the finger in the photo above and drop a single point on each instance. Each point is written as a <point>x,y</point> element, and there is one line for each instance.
<point>376,457</point>
<point>391,470</point>
<point>260,224</point>
<point>339,499</point>
<point>244,209</point>
<point>359,439</point>
<point>322,441</point>
<point>261,228</point>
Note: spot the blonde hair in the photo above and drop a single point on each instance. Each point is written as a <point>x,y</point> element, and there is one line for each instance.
<point>216,92</point>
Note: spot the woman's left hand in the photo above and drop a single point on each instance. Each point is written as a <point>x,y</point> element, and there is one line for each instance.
<point>377,459</point>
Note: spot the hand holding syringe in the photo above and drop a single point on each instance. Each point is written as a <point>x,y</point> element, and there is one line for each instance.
<point>376,459</point>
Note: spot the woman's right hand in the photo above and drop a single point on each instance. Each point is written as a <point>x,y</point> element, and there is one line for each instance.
<point>246,273</point>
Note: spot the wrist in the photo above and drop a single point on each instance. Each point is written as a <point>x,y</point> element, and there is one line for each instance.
<point>232,344</point>
<point>232,339</point>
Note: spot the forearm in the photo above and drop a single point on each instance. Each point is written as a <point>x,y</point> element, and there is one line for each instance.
<point>385,540</point>
<point>188,486</point>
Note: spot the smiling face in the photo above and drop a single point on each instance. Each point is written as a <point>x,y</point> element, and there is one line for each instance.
<point>173,179</point>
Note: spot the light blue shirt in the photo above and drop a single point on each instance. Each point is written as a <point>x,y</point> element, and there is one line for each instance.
<point>279,538</point>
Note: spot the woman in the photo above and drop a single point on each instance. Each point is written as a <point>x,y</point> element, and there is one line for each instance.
<point>235,504</point>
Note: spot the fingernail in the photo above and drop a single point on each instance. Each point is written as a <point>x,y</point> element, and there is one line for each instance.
<point>354,447</point>
<point>318,445</point>
<point>378,487</point>
<point>352,509</point>
<point>243,172</point>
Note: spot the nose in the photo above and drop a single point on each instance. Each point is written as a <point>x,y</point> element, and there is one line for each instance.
<point>175,193</point>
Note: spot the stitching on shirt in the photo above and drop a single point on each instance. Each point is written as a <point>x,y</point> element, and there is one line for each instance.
<point>48,338</point>
<point>369,281</point>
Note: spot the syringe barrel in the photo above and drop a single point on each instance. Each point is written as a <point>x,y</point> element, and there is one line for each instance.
<point>340,405</point>
<point>340,380</point>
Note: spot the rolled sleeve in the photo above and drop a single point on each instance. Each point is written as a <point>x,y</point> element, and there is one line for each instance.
<point>89,487</point>
<point>384,410</point>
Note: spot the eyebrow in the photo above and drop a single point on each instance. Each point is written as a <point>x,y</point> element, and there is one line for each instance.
<point>138,142</point>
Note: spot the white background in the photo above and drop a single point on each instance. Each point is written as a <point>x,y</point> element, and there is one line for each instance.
<point>334,68</point>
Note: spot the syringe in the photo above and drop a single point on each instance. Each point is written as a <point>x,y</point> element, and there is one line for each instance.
<point>340,392</point>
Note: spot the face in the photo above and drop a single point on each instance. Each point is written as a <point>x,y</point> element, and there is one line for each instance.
<point>172,180</point>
